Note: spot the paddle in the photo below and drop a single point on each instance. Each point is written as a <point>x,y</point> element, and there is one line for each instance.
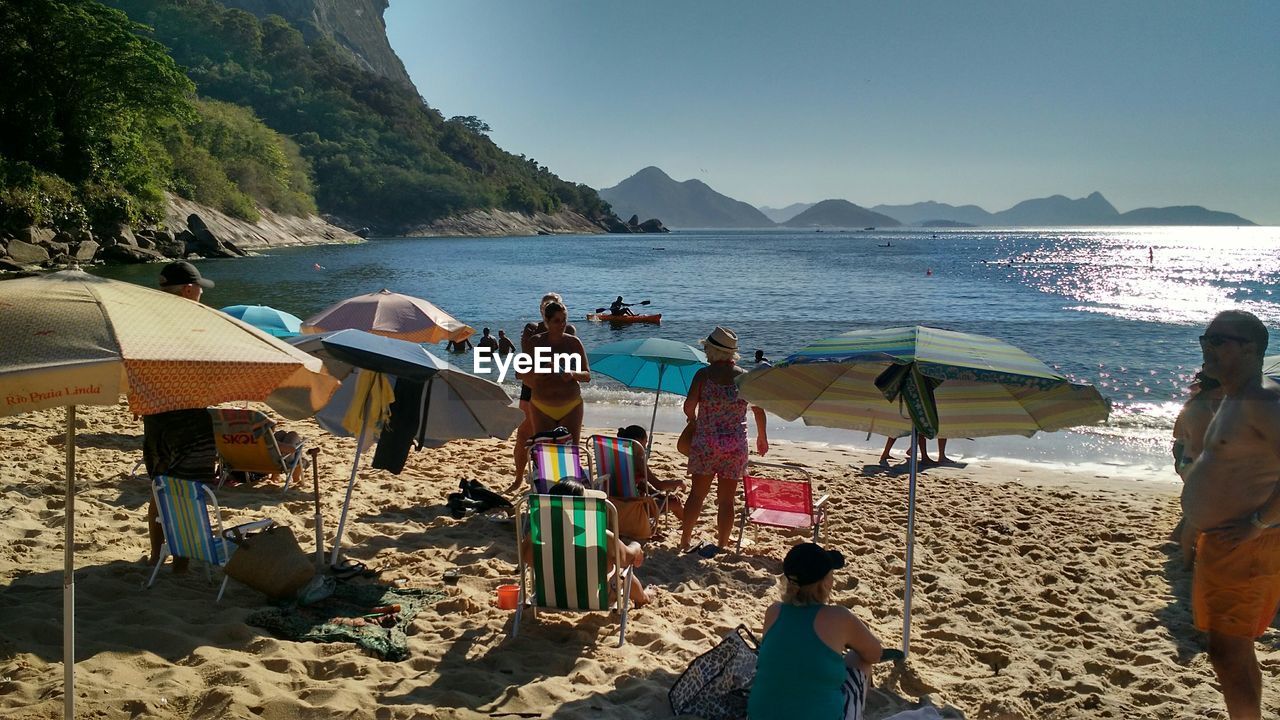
<point>605,309</point>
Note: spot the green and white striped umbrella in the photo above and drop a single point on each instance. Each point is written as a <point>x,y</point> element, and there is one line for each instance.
<point>922,380</point>
<point>950,384</point>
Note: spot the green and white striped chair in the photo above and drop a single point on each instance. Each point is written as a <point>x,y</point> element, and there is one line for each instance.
<point>570,566</point>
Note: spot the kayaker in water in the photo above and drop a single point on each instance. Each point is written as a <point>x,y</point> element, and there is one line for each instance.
<point>620,308</point>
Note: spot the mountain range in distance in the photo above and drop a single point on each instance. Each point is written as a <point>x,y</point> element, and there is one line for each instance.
<point>651,193</point>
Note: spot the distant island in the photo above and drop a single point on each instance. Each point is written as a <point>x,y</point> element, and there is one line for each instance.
<point>692,203</point>
<point>842,214</point>
<point>688,204</point>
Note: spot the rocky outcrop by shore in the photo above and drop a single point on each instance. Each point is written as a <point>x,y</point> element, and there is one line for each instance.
<point>272,231</point>
<point>190,230</point>
<point>499,223</point>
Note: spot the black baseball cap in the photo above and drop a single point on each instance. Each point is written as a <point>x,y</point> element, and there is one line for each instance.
<point>183,273</point>
<point>807,563</point>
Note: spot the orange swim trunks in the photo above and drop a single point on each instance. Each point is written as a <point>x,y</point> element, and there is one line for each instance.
<point>1236,592</point>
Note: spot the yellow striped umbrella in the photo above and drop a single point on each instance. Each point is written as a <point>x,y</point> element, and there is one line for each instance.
<point>910,380</point>
<point>980,386</point>
<point>71,339</point>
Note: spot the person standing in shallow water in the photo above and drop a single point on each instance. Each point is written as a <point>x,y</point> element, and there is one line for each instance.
<point>1232,500</point>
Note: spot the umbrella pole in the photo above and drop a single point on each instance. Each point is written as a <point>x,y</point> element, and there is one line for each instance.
<point>911,543</point>
<point>654,419</point>
<point>68,577</point>
<point>346,503</point>
<point>315,487</point>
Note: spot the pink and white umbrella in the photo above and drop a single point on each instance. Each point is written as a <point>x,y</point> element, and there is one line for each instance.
<point>391,315</point>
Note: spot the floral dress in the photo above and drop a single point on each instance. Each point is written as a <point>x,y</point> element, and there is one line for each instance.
<point>719,444</point>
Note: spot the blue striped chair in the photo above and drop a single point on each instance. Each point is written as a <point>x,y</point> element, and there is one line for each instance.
<point>183,509</point>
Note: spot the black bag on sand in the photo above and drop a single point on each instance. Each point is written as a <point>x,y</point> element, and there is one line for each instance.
<point>488,499</point>
<point>271,562</point>
<point>717,683</point>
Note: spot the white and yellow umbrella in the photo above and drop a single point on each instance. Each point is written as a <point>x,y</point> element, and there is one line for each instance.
<point>392,315</point>
<point>71,339</point>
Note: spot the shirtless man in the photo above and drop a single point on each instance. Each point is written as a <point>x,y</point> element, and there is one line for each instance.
<point>1188,443</point>
<point>1232,497</point>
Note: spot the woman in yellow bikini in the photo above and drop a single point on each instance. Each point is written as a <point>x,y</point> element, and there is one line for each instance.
<point>557,397</point>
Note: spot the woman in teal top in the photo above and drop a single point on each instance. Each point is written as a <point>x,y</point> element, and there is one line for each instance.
<point>810,647</point>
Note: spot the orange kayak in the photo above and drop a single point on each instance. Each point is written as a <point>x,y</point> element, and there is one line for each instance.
<point>606,317</point>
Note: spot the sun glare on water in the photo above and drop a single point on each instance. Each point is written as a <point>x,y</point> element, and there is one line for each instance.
<point>1179,276</point>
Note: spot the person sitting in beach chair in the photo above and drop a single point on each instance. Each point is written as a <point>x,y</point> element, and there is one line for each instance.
<point>570,534</point>
<point>247,442</point>
<point>626,464</point>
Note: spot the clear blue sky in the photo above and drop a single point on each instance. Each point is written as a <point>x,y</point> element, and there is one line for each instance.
<point>1151,103</point>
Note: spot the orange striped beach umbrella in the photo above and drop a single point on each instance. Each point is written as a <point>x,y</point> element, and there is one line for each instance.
<point>392,315</point>
<point>71,339</point>
<point>921,380</point>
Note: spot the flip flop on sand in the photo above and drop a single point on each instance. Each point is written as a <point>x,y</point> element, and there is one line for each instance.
<point>709,551</point>
<point>694,548</point>
<point>351,568</point>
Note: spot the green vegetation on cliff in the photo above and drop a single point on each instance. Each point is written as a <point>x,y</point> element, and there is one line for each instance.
<point>99,116</point>
<point>97,121</point>
<point>379,154</point>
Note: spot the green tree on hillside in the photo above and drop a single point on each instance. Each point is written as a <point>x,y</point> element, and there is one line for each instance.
<point>380,156</point>
<point>229,160</point>
<point>82,96</point>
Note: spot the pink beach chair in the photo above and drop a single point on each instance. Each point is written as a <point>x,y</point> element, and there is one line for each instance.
<point>782,502</point>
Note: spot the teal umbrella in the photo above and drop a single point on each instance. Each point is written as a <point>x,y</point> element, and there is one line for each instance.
<point>267,319</point>
<point>921,381</point>
<point>649,364</point>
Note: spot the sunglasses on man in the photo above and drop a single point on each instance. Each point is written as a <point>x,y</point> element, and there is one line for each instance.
<point>1220,339</point>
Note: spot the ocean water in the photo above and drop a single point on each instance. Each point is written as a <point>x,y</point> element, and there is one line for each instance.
<point>1120,308</point>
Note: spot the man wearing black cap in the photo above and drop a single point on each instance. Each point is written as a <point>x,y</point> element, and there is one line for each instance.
<point>179,442</point>
<point>815,658</point>
<point>182,278</point>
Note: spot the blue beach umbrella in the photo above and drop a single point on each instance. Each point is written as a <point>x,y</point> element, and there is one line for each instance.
<point>267,319</point>
<point>649,364</point>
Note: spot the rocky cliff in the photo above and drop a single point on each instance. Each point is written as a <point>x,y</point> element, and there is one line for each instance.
<point>190,230</point>
<point>501,223</point>
<point>272,231</point>
<point>356,25</point>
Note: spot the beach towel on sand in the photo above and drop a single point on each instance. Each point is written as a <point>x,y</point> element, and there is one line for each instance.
<point>315,623</point>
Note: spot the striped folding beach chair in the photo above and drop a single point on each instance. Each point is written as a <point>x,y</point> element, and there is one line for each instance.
<point>246,443</point>
<point>570,565</point>
<point>183,507</point>
<point>550,463</point>
<point>616,465</point>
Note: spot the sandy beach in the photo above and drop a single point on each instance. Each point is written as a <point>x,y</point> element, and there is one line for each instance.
<point>1040,593</point>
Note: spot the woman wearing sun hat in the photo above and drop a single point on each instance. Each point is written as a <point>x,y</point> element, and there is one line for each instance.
<point>719,447</point>
<point>815,657</point>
